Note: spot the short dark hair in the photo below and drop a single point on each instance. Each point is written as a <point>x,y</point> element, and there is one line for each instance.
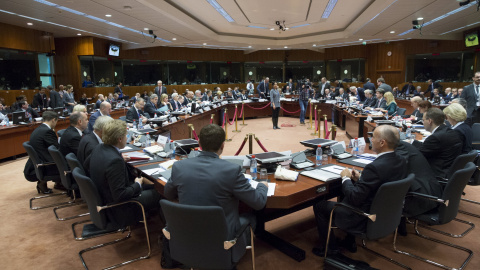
<point>436,115</point>
<point>211,137</point>
<point>425,104</point>
<point>74,118</point>
<point>49,115</point>
<point>381,91</point>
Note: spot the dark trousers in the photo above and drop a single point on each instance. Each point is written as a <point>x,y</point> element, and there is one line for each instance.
<point>275,113</point>
<point>303,108</point>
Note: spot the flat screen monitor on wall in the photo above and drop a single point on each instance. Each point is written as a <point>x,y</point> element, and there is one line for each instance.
<point>113,50</point>
<point>471,39</point>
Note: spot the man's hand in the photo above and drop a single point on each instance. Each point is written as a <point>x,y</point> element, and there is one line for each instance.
<point>139,180</point>
<point>264,182</point>
<point>355,175</point>
<point>125,157</point>
<point>346,172</point>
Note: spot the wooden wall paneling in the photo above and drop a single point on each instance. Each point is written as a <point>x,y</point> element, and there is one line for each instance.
<point>417,46</point>
<point>349,52</point>
<point>20,38</point>
<point>177,53</point>
<point>305,55</point>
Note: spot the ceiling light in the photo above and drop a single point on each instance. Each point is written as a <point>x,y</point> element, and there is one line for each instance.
<point>360,39</point>
<point>108,15</point>
<point>220,10</point>
<point>314,45</point>
<point>287,28</point>
<point>145,29</point>
<point>204,44</point>
<point>272,29</point>
<point>419,18</point>
<point>249,46</point>
<point>79,34</point>
<point>331,4</point>
<point>285,47</point>
<point>29,23</point>
<point>392,32</point>
<point>268,48</point>
<point>174,38</point>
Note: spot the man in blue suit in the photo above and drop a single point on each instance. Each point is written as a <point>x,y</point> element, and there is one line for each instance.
<point>263,88</point>
<point>369,85</point>
<point>105,109</point>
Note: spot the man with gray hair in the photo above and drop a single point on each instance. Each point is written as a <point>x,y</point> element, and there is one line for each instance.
<point>151,106</point>
<point>88,142</point>
<point>105,109</point>
<point>159,90</point>
<point>370,100</point>
<point>135,113</point>
<point>100,99</point>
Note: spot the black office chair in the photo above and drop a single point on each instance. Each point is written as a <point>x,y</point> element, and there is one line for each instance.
<point>444,213</point>
<point>382,220</point>
<point>100,225</point>
<point>67,181</point>
<point>73,161</point>
<point>198,236</point>
<point>60,132</point>
<point>42,176</point>
<point>476,136</point>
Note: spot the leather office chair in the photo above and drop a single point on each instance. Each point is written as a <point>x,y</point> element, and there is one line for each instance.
<point>73,161</point>
<point>476,136</point>
<point>382,221</point>
<point>445,212</point>
<point>67,181</point>
<point>40,173</point>
<point>198,235</point>
<point>100,225</point>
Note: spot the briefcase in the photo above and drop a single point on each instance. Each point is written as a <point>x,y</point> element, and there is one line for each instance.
<point>340,261</point>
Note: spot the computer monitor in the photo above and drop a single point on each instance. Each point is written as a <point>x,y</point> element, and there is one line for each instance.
<point>193,107</point>
<point>18,117</point>
<point>90,108</point>
<point>130,103</point>
<point>114,105</point>
<point>59,111</point>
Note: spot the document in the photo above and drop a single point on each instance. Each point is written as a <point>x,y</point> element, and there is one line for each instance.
<point>363,161</point>
<point>334,169</point>
<point>321,175</point>
<point>271,187</point>
<point>153,171</point>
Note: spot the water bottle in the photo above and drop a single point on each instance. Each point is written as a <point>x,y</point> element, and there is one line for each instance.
<point>408,133</point>
<point>134,124</point>
<point>30,118</point>
<point>253,168</point>
<point>172,153</point>
<point>140,124</point>
<point>355,147</point>
<point>318,156</point>
<point>155,115</point>
<point>129,136</point>
<point>148,140</point>
<point>7,121</point>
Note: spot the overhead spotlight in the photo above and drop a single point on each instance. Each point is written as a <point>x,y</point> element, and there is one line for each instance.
<point>204,44</point>
<point>29,23</point>
<point>249,46</point>
<point>174,38</point>
<point>150,32</point>
<point>268,48</point>
<point>360,39</point>
<point>281,26</point>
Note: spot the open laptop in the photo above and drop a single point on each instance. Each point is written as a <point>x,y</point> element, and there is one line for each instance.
<point>18,118</point>
<point>90,108</point>
<point>59,111</point>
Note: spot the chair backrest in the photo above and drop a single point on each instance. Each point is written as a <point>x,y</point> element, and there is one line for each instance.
<point>73,161</point>
<point>32,154</point>
<point>62,166</point>
<point>391,194</point>
<point>197,234</point>
<point>476,133</point>
<point>401,111</point>
<point>453,193</point>
<point>460,162</point>
<point>92,197</point>
<point>60,132</point>
<point>123,118</point>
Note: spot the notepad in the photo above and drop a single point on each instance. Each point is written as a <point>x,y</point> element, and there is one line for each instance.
<point>321,175</point>
<point>271,187</point>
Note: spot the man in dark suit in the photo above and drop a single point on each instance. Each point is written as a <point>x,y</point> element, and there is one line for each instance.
<point>40,139</point>
<point>208,96</point>
<point>99,101</point>
<point>369,85</point>
<point>73,134</point>
<point>105,109</point>
<point>193,182</point>
<point>342,94</point>
<point>359,190</point>
<point>431,86</point>
<point>370,100</point>
<point>56,100</point>
<point>471,93</point>
<point>263,88</point>
<point>151,106</point>
<point>90,141</point>
<point>381,84</point>
<point>159,90</point>
<point>359,93</point>
<point>329,95</point>
<point>442,146</point>
<point>118,90</point>
<point>115,182</point>
<point>29,112</point>
<point>408,89</point>
<point>381,102</point>
<point>136,112</point>
<point>40,100</point>
<point>322,86</point>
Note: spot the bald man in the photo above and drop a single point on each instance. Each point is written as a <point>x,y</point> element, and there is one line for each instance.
<point>360,189</point>
<point>105,109</point>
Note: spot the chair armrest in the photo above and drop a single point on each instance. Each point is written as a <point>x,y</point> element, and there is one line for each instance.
<point>427,197</point>
<point>46,164</point>
<point>356,211</point>
<point>230,243</point>
<point>100,208</point>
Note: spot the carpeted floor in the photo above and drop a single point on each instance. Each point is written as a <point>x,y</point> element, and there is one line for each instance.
<point>35,240</point>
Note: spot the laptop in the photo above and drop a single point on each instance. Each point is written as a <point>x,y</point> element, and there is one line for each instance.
<point>59,111</point>
<point>90,108</point>
<point>114,105</point>
<point>18,118</point>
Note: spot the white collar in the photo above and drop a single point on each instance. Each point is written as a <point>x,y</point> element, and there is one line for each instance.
<point>383,153</point>
<point>98,138</point>
<point>458,124</point>
<point>79,131</point>
<point>433,131</point>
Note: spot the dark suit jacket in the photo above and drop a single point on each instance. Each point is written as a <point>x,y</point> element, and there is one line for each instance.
<point>40,139</point>
<point>466,135</point>
<point>381,103</point>
<point>85,149</point>
<point>30,111</point>
<point>194,182</point>
<point>119,91</point>
<point>92,119</point>
<point>411,89</point>
<point>434,85</point>
<point>386,168</point>
<point>344,96</point>
<point>415,113</point>
<point>361,94</point>
<point>370,102</point>
<point>471,97</point>
<point>97,104</point>
<point>132,114</point>
<point>69,141</point>
<point>369,86</point>
<point>320,85</point>
<point>151,109</point>
<point>40,101</point>
<point>159,93</point>
<point>440,149</point>
<point>114,182</point>
<point>263,87</point>
<point>424,182</point>
<point>207,98</point>
<point>55,99</point>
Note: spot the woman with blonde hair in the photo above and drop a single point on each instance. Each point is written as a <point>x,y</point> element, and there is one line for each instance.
<point>392,107</point>
<point>218,97</point>
<point>455,115</point>
<point>164,102</point>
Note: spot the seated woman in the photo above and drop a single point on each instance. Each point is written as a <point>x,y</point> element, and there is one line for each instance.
<point>392,107</point>
<point>456,114</point>
<point>218,97</point>
<point>164,102</point>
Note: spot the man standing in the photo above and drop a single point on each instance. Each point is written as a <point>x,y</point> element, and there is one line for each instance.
<point>431,86</point>
<point>360,190</point>
<point>369,85</point>
<point>408,89</point>
<point>471,93</point>
<point>442,146</point>
<point>136,112</point>
<point>250,87</point>
<point>159,90</point>
<point>56,100</point>
<point>73,134</point>
<point>193,182</point>
<point>118,90</point>
<point>381,84</point>
<point>40,99</point>
<point>69,99</point>
<point>359,93</point>
<point>323,85</point>
<point>306,94</point>
<point>263,88</point>
<point>105,109</point>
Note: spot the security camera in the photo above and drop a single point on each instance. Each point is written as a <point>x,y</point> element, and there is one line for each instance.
<point>277,22</point>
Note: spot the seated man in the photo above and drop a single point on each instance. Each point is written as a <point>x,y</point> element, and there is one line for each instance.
<point>359,190</point>
<point>105,109</point>
<point>136,112</point>
<point>73,134</point>
<point>151,106</point>
<point>381,103</point>
<point>370,100</point>
<point>115,182</point>
<point>29,112</point>
<point>40,139</point>
<point>443,146</point>
<point>89,141</point>
<point>208,96</point>
<point>193,182</point>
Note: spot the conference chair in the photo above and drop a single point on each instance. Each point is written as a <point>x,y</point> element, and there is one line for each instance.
<point>474,181</point>
<point>401,111</point>
<point>42,176</point>
<point>67,181</point>
<point>198,235</point>
<point>476,136</point>
<point>444,213</point>
<point>382,221</point>
<point>100,225</point>
<point>73,161</point>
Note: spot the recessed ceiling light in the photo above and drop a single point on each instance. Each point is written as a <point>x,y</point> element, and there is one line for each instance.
<point>392,32</point>
<point>79,34</point>
<point>360,39</point>
<point>204,44</point>
<point>268,48</point>
<point>108,15</point>
<point>249,46</point>
<point>146,29</point>
<point>286,28</point>
<point>174,38</point>
<point>285,47</point>
<point>314,45</point>
<point>419,18</point>
<point>272,28</point>
<point>29,23</point>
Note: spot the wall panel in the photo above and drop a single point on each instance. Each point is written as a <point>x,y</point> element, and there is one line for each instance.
<point>25,39</point>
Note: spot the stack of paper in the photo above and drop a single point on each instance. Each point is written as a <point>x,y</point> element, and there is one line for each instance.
<point>271,187</point>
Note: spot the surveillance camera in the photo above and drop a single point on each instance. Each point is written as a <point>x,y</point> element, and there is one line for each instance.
<point>277,22</point>
<point>150,32</point>
<point>415,22</point>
